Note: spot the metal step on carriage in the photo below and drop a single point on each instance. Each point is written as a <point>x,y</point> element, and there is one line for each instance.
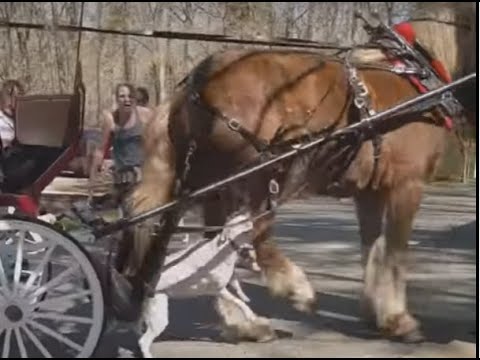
<point>51,296</point>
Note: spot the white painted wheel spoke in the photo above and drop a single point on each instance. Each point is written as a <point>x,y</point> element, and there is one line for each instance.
<point>6,344</point>
<point>38,270</point>
<point>73,285</point>
<point>18,262</point>
<point>2,299</point>
<point>3,279</point>
<point>57,302</point>
<point>21,345</point>
<point>57,316</point>
<point>55,335</point>
<point>37,239</point>
<point>7,237</point>
<point>36,342</point>
<point>54,282</point>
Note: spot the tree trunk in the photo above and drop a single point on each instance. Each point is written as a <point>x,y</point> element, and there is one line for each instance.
<point>310,19</point>
<point>58,52</point>
<point>22,37</point>
<point>188,24</point>
<point>237,16</point>
<point>7,9</point>
<point>289,22</point>
<point>98,63</point>
<point>158,68</point>
<point>126,51</point>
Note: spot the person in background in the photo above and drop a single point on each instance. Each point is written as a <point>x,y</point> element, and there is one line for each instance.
<point>123,131</point>
<point>8,93</point>
<point>17,168</point>
<point>142,96</point>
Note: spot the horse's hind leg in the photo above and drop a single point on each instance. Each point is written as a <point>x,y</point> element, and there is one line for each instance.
<point>370,207</point>
<point>386,263</point>
<point>155,315</point>
<point>283,277</point>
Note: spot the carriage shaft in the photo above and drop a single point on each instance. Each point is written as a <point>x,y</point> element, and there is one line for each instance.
<point>421,103</point>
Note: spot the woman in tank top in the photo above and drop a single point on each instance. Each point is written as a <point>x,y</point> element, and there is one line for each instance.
<point>122,130</point>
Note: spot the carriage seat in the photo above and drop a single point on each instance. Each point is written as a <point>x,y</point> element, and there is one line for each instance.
<point>47,129</point>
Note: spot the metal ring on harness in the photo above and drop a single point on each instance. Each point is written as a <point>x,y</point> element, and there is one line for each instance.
<point>234,125</point>
<point>273,187</point>
<point>447,96</point>
<point>353,75</point>
<point>359,102</point>
<point>363,90</point>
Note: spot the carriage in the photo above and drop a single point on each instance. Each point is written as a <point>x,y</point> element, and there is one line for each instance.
<point>47,274</point>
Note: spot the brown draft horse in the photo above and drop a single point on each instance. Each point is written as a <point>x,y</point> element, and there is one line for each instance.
<point>266,91</point>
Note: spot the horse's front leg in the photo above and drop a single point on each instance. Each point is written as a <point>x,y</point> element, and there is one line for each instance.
<point>283,277</point>
<point>386,262</point>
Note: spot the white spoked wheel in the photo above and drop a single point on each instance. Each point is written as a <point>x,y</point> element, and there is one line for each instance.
<point>51,301</point>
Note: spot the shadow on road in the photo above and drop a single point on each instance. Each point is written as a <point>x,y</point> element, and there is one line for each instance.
<point>195,319</point>
<point>443,261</point>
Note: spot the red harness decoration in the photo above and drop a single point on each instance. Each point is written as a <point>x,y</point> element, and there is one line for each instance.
<point>405,29</point>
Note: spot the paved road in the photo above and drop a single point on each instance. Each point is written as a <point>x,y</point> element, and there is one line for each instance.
<point>321,235</point>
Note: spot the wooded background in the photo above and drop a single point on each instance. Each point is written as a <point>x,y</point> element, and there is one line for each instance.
<point>44,60</point>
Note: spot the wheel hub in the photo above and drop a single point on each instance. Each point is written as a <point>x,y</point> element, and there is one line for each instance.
<point>13,313</point>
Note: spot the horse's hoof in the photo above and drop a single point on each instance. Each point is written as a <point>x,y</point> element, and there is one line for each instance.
<point>257,330</point>
<point>262,331</point>
<point>307,307</point>
<point>413,337</point>
<point>403,328</point>
<point>267,338</point>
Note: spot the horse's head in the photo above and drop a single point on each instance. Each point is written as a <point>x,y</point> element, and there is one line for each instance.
<point>448,32</point>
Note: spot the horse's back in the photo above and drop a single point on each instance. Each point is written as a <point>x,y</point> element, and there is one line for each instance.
<point>263,91</point>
